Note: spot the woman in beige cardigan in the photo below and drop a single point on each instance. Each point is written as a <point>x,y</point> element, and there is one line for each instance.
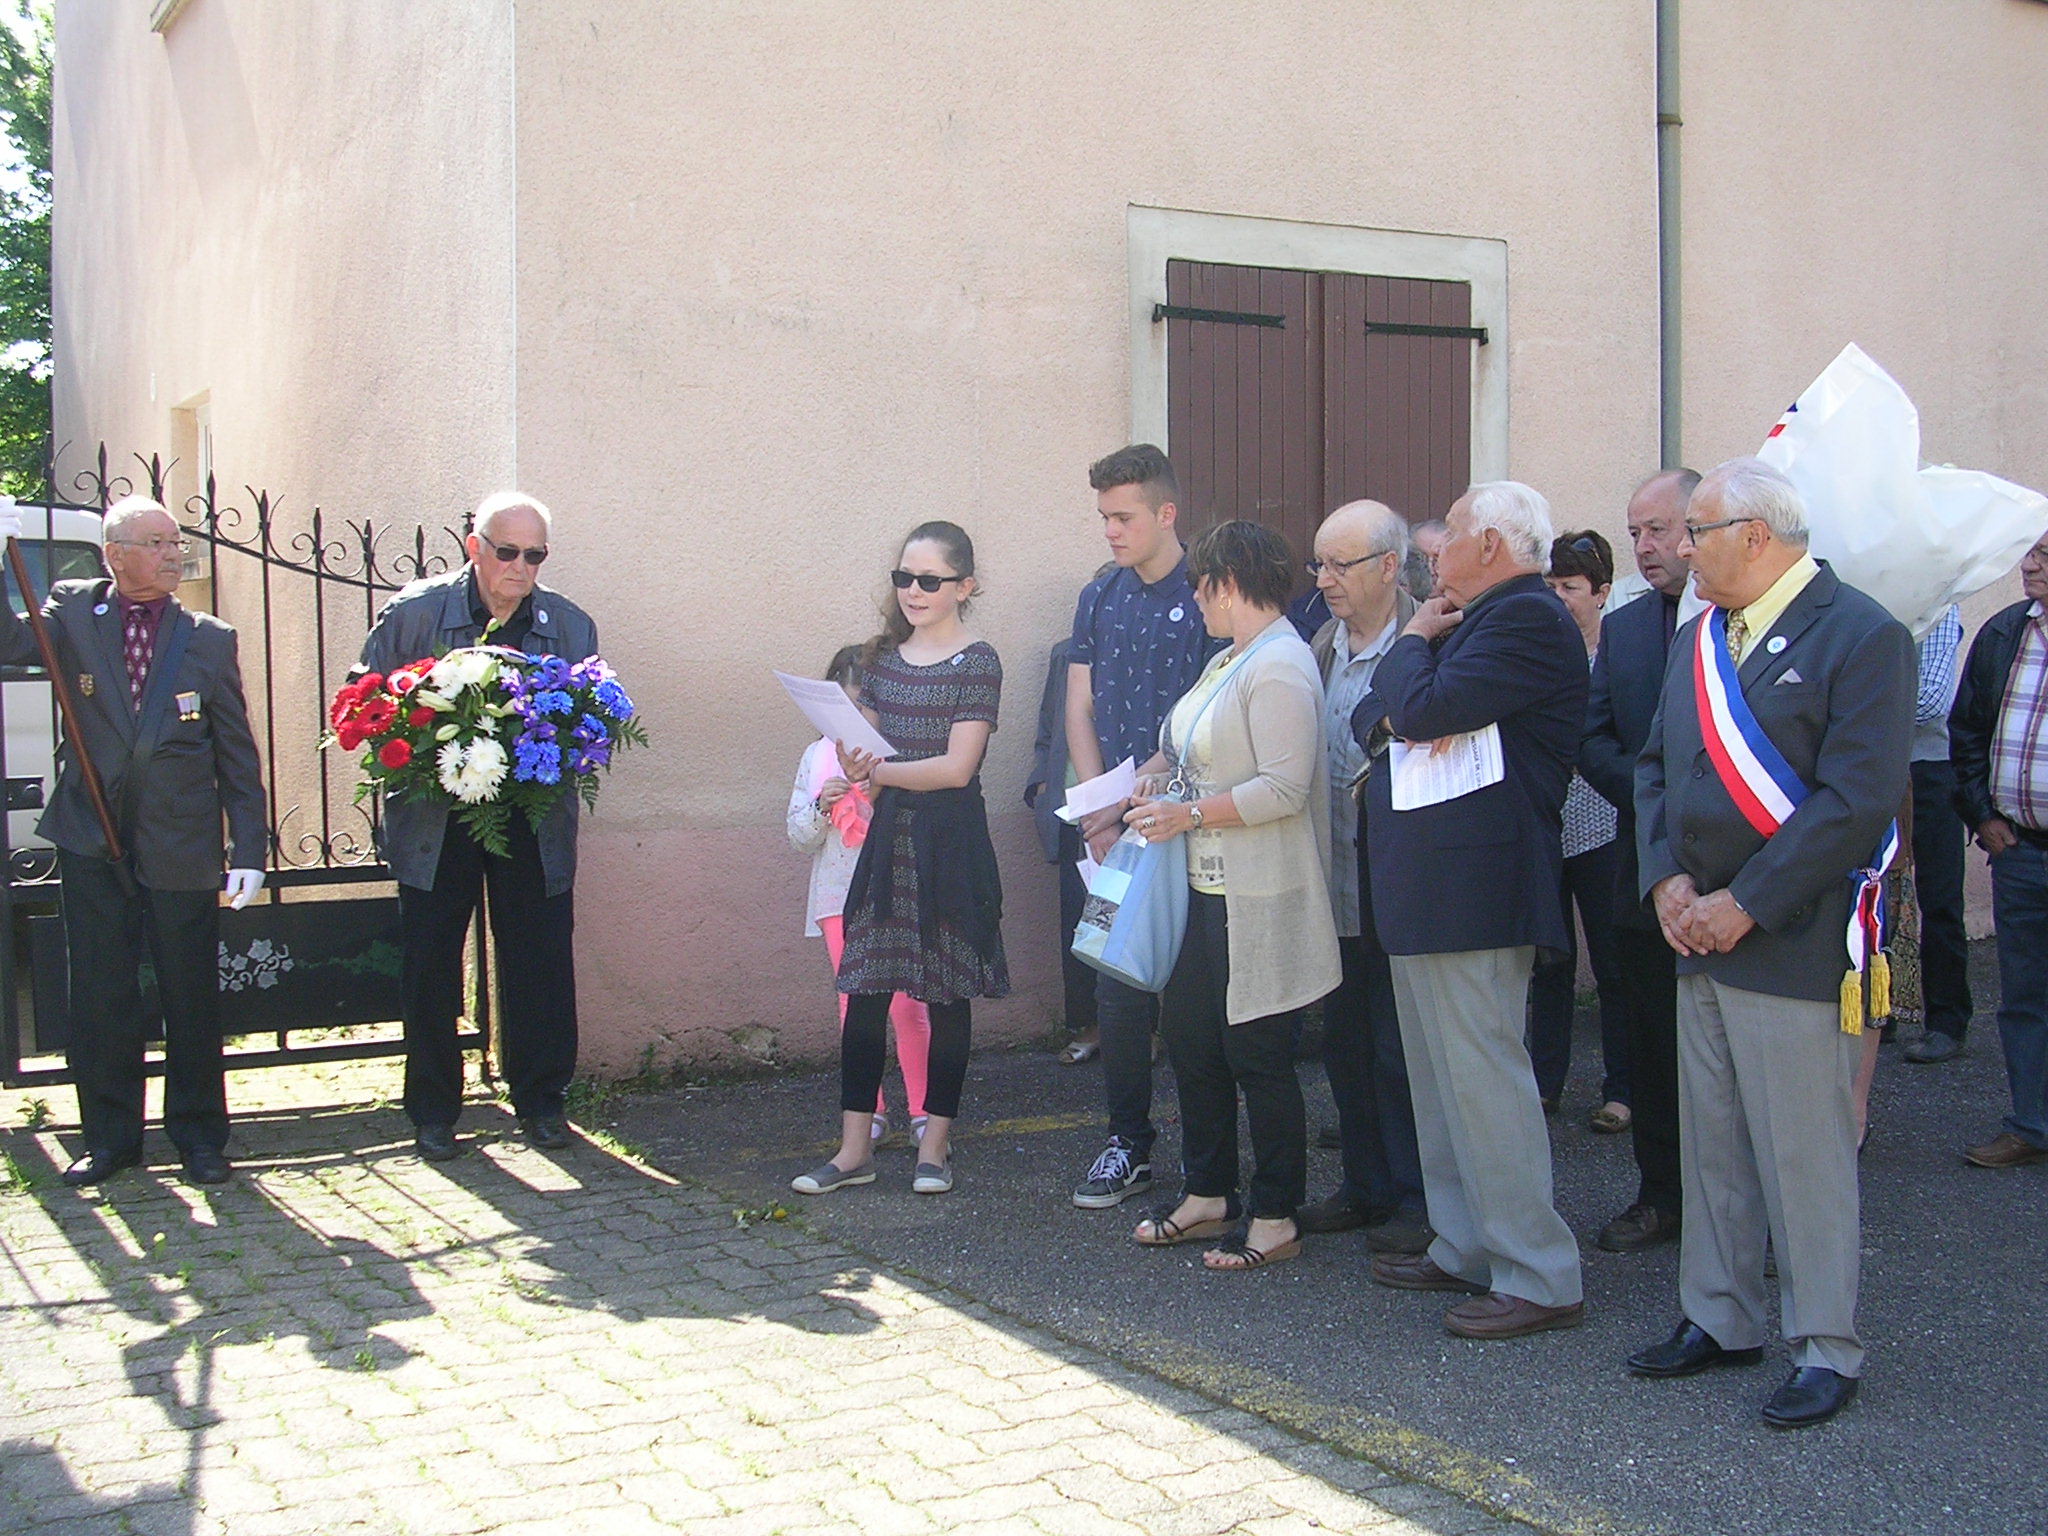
<point>1261,945</point>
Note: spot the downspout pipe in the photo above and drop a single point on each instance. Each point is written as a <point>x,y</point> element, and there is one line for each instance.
<point>1670,358</point>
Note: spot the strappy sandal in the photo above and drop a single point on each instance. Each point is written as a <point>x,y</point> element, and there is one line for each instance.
<point>1168,1233</point>
<point>1076,1052</point>
<point>1610,1119</point>
<point>1244,1256</point>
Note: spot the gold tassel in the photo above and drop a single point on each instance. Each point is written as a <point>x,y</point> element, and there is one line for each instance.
<point>1852,1003</point>
<point>1880,985</point>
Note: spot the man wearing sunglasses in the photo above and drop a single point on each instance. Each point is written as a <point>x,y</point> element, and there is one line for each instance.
<point>495,599</point>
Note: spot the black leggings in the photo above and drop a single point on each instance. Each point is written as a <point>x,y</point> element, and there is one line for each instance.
<point>864,1051</point>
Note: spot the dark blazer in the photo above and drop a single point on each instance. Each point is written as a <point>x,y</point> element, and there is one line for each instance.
<point>1974,719</point>
<point>1481,871</point>
<point>1046,790</point>
<point>168,805</point>
<point>1628,680</point>
<point>431,618</point>
<point>1846,727</point>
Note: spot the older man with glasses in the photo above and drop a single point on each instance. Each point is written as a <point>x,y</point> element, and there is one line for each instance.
<point>1360,552</point>
<point>1765,797</point>
<point>156,707</point>
<point>442,872</point>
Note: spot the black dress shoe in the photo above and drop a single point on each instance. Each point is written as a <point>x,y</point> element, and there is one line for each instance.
<point>97,1166</point>
<point>435,1143</point>
<point>1688,1352</point>
<point>547,1131</point>
<point>1932,1047</point>
<point>1811,1394</point>
<point>1401,1232</point>
<point>1638,1227</point>
<point>206,1165</point>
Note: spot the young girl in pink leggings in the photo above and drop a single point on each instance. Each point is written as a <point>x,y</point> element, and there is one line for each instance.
<point>828,819</point>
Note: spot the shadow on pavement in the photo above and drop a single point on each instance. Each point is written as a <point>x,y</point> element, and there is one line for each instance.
<point>1551,1429</point>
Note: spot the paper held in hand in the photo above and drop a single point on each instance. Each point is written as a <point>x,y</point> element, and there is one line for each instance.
<point>1110,788</point>
<point>1431,772</point>
<point>828,708</point>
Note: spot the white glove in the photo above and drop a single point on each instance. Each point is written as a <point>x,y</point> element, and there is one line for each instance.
<point>10,520</point>
<point>243,884</point>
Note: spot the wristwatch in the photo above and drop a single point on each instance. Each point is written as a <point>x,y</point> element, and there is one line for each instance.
<point>1194,818</point>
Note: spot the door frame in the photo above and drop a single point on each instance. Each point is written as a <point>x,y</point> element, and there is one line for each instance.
<point>1155,236</point>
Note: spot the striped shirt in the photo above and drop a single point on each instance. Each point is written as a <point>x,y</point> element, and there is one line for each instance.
<point>2019,746</point>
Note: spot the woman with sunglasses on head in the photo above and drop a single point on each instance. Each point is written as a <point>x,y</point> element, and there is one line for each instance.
<point>924,909</point>
<point>1249,790</point>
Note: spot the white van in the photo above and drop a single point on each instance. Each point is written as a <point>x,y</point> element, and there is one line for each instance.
<point>70,553</point>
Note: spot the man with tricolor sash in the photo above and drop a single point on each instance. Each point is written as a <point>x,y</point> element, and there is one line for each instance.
<point>1765,803</point>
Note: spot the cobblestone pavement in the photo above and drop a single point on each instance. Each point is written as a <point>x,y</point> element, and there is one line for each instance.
<point>348,1339</point>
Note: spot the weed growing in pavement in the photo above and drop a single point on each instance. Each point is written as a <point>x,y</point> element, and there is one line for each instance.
<point>775,1211</point>
<point>365,1360</point>
<point>35,1114</point>
<point>15,1179</point>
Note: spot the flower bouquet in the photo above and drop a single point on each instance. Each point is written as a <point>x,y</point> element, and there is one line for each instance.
<point>489,730</point>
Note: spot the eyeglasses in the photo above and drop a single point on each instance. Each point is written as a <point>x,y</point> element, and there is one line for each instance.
<point>1339,567</point>
<point>507,553</point>
<point>156,546</point>
<point>926,580</point>
<point>1694,530</point>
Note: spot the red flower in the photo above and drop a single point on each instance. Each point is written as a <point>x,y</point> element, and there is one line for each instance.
<point>345,700</point>
<point>395,753</point>
<point>419,717</point>
<point>349,734</point>
<point>369,683</point>
<point>376,715</point>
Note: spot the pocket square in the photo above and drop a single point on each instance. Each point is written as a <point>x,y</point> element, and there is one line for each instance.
<point>1789,675</point>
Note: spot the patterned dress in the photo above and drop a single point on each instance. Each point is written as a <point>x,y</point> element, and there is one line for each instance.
<point>887,949</point>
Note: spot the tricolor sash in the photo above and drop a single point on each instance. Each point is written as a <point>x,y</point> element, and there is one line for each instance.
<point>1766,790</point>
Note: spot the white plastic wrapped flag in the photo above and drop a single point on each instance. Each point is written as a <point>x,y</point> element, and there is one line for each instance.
<point>1916,539</point>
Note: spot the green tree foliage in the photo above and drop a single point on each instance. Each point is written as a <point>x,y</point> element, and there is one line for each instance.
<point>25,52</point>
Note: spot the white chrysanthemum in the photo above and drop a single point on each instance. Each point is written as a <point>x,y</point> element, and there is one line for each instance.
<point>471,771</point>
<point>462,669</point>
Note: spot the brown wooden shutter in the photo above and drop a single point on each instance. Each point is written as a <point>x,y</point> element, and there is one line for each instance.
<point>1282,423</point>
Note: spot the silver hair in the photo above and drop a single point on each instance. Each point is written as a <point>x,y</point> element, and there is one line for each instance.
<point>117,519</point>
<point>494,506</point>
<point>1386,529</point>
<point>1519,514</point>
<point>1748,487</point>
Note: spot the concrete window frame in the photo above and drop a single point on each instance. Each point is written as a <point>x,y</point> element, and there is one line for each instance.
<point>1155,236</point>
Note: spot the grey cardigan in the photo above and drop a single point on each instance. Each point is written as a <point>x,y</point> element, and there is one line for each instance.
<point>1266,743</point>
<point>429,618</point>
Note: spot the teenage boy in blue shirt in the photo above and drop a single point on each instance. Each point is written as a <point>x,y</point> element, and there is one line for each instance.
<point>1138,644</point>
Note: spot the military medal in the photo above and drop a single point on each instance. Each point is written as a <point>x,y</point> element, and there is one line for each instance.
<point>188,706</point>
<point>85,684</point>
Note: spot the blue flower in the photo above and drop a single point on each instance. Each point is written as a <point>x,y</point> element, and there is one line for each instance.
<point>551,672</point>
<point>612,699</point>
<point>590,760</point>
<point>591,729</point>
<point>552,701</point>
<point>536,762</point>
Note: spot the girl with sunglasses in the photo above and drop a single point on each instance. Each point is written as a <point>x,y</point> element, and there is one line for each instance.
<point>925,904</point>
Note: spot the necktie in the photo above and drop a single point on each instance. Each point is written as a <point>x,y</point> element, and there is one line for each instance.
<point>1738,632</point>
<point>138,645</point>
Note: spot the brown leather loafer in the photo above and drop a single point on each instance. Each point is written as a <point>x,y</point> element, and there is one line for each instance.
<point>1418,1272</point>
<point>1637,1228</point>
<point>1497,1315</point>
<point>2005,1150</point>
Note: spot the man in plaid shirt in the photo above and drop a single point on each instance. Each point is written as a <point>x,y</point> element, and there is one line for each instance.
<point>1998,736</point>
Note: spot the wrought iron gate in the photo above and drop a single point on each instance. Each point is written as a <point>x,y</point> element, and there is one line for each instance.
<point>317,955</point>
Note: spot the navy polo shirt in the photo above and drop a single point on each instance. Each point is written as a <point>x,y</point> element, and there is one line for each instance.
<point>1144,647</point>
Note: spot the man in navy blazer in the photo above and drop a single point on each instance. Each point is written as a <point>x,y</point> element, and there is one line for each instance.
<point>1464,894</point>
<point>1628,680</point>
<point>1759,922</point>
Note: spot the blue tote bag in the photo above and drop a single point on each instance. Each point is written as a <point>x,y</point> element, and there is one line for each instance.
<point>1137,909</point>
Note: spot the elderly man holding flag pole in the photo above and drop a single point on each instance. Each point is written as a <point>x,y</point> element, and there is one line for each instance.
<point>1765,798</point>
